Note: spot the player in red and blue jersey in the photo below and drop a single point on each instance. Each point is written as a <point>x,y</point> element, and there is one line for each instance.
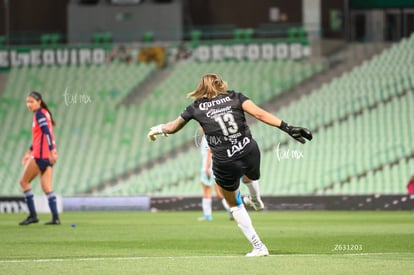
<point>221,114</point>
<point>40,158</point>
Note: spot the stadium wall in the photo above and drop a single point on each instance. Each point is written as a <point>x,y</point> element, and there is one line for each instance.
<point>375,202</point>
<point>18,205</point>
<point>126,23</point>
<point>339,202</point>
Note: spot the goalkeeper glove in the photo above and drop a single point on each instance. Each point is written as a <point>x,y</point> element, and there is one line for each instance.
<point>156,130</point>
<point>298,133</point>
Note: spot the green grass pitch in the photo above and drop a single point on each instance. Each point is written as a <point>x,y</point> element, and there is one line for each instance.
<point>299,242</point>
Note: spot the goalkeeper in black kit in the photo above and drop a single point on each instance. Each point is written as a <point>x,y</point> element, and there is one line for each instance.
<point>221,114</point>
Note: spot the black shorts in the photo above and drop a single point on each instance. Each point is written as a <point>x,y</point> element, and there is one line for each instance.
<point>228,174</point>
<point>43,164</point>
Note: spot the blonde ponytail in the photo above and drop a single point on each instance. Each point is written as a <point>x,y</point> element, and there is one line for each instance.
<point>209,87</point>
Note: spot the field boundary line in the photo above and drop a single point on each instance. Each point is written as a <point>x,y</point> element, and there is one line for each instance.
<point>46,260</point>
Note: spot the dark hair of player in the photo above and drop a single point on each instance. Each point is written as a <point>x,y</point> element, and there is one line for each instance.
<point>38,97</point>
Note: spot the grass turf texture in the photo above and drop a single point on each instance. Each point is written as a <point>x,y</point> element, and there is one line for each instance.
<point>175,243</point>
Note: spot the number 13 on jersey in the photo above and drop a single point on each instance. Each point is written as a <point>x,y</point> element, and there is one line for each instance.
<point>227,124</point>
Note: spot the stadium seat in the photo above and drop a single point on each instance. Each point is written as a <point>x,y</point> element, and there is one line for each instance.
<point>148,36</point>
<point>102,38</point>
<point>195,36</point>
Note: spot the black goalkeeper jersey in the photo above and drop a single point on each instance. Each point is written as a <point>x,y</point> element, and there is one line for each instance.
<point>224,123</point>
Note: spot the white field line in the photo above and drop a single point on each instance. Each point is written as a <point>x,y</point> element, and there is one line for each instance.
<point>97,259</point>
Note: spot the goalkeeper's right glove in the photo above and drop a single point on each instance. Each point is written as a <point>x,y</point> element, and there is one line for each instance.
<point>154,131</point>
<point>298,133</point>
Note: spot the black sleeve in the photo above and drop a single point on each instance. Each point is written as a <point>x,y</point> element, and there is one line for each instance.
<point>188,113</point>
<point>242,97</point>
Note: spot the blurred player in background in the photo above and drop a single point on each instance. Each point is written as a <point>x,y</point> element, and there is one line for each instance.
<point>40,158</point>
<point>220,112</point>
<point>410,185</point>
<point>207,181</point>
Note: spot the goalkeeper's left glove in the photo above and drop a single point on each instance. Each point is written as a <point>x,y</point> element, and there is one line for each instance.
<point>298,133</point>
<point>156,130</point>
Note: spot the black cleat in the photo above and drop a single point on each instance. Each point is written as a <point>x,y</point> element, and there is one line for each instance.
<point>53,222</point>
<point>29,220</point>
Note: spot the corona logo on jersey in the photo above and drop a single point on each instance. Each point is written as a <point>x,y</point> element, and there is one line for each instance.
<point>205,105</point>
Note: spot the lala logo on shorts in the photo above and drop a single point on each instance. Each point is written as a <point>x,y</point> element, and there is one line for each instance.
<point>238,147</point>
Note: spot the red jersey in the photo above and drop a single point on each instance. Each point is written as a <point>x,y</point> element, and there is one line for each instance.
<point>43,140</point>
<point>410,187</point>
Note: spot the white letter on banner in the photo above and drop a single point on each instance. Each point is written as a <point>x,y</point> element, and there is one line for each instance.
<point>217,52</point>
<point>4,56</point>
<point>48,57</point>
<point>35,58</point>
<point>228,52</point>
<point>306,50</point>
<point>238,52</point>
<point>14,59</point>
<point>295,51</point>
<point>98,56</point>
<point>84,56</point>
<point>268,51</point>
<point>73,57</point>
<point>253,52</point>
<point>25,58</point>
<point>282,51</point>
<point>62,57</point>
<point>202,53</point>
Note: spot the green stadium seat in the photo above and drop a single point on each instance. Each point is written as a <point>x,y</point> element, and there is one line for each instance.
<point>55,39</point>
<point>238,34</point>
<point>248,34</point>
<point>195,37</point>
<point>45,39</point>
<point>102,38</point>
<point>148,36</point>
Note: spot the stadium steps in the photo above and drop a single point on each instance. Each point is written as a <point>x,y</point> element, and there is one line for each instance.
<point>393,111</point>
<point>389,157</point>
<point>340,62</point>
<point>146,87</point>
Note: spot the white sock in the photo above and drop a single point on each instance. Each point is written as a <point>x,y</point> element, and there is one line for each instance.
<point>245,223</point>
<point>254,189</point>
<point>225,205</point>
<point>206,204</point>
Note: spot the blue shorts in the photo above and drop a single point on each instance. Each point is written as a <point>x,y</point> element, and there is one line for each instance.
<point>43,164</point>
<point>206,180</point>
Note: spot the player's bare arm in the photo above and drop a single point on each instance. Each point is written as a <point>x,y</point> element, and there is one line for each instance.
<point>167,128</point>
<point>173,126</point>
<point>260,114</point>
<point>298,133</point>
